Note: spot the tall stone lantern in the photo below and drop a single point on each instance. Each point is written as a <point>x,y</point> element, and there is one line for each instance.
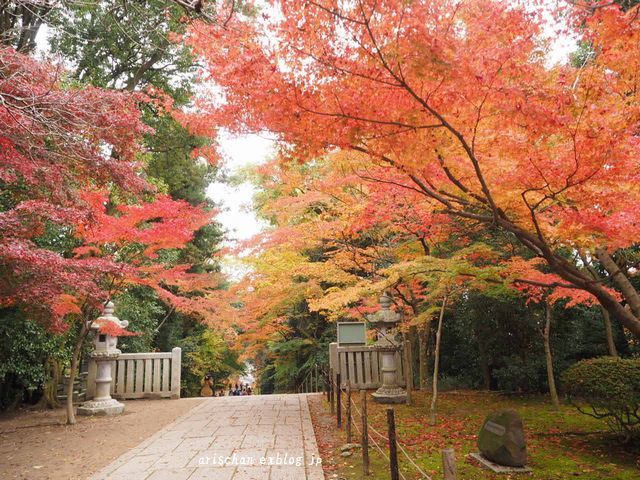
<point>107,327</point>
<point>385,322</point>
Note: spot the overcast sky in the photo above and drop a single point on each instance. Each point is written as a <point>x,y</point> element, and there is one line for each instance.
<point>235,200</point>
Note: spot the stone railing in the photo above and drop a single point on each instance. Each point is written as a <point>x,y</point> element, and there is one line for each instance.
<point>361,366</point>
<point>142,375</point>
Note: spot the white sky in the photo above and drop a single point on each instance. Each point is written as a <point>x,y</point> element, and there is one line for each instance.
<point>235,199</point>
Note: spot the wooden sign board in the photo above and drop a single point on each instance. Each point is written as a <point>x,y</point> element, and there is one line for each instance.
<point>352,333</point>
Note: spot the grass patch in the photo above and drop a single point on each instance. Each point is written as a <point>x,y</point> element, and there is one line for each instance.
<point>561,444</point>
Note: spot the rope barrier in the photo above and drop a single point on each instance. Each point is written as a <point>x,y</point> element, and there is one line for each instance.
<point>420,471</point>
<point>403,450</point>
<point>376,444</point>
<point>378,433</point>
<point>385,455</point>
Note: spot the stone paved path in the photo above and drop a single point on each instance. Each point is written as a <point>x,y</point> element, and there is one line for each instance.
<point>262,437</point>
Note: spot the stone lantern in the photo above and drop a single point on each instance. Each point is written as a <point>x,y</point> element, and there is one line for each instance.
<point>385,321</point>
<point>107,327</point>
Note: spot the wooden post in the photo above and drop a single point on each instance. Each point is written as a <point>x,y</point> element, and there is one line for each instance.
<point>408,370</point>
<point>349,412</point>
<point>327,388</point>
<point>176,368</point>
<point>449,464</point>
<point>315,374</point>
<point>338,401</point>
<point>393,447</point>
<point>331,391</point>
<point>365,433</point>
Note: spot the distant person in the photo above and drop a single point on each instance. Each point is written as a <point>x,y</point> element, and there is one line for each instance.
<point>206,390</point>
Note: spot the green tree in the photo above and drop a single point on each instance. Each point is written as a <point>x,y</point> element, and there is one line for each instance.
<point>207,353</point>
<point>29,359</point>
<point>127,45</point>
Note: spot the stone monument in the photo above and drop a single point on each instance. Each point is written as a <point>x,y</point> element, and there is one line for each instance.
<point>107,328</point>
<point>385,321</point>
<point>501,439</point>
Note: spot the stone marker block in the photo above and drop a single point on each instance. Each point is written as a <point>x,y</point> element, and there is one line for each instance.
<point>501,439</point>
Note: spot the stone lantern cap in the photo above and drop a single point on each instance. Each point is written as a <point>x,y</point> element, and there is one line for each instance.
<point>384,321</point>
<point>385,316</point>
<point>109,324</point>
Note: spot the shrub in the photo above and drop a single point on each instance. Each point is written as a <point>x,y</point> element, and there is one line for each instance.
<point>522,376</point>
<point>448,383</point>
<point>610,387</point>
<point>26,353</point>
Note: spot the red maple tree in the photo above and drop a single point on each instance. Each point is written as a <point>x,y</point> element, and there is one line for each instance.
<point>457,102</point>
<point>65,154</point>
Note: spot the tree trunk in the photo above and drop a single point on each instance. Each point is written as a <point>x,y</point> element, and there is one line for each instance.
<point>548,356</point>
<point>480,335</point>
<point>75,361</point>
<point>611,345</point>
<point>436,363</point>
<point>620,280</point>
<point>134,80</point>
<point>486,373</point>
<point>423,353</point>
<point>50,391</point>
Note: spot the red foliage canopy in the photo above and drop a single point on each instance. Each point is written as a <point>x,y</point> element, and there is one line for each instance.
<point>60,148</point>
<point>456,101</point>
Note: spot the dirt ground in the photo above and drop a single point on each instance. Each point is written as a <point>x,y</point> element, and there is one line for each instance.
<point>327,438</point>
<point>36,445</point>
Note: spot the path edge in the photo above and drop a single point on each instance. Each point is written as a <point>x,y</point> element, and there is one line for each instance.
<point>313,472</point>
<point>125,457</point>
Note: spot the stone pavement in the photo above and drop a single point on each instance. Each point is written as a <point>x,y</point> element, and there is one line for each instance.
<point>262,437</point>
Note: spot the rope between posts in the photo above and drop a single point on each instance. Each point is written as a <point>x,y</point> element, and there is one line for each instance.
<point>378,433</point>
<point>403,450</point>
<point>370,427</point>
<point>357,428</point>
<point>385,455</point>
<point>420,471</point>
<point>353,405</point>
